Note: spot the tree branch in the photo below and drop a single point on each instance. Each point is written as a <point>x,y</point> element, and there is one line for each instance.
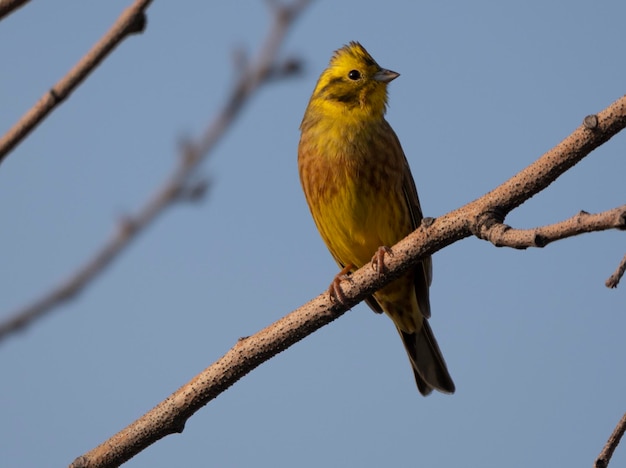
<point>179,185</point>
<point>131,21</point>
<point>476,217</point>
<point>596,130</point>
<point>613,280</point>
<point>502,235</point>
<point>9,6</point>
<point>607,452</point>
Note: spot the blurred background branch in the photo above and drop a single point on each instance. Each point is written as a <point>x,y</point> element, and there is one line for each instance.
<point>171,415</point>
<point>9,6</point>
<point>131,21</point>
<point>478,98</point>
<point>179,185</point>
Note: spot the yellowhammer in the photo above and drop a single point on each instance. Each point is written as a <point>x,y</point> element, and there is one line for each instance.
<point>362,196</point>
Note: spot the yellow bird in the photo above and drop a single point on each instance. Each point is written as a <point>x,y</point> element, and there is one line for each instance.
<point>362,196</point>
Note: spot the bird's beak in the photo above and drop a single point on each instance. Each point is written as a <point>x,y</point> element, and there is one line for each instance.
<point>385,76</point>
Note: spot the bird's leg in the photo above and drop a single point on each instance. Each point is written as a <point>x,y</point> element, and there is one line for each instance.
<point>378,260</point>
<point>334,290</point>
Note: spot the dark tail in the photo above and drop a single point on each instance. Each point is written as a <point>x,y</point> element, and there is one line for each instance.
<point>428,364</point>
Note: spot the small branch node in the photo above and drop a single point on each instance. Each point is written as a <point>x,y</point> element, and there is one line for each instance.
<point>126,226</point>
<point>138,25</point>
<point>540,240</point>
<point>285,69</point>
<point>486,221</point>
<point>80,462</point>
<point>427,222</point>
<point>591,122</point>
<point>581,217</point>
<point>58,98</point>
<point>291,66</point>
<point>179,428</point>
<point>194,191</point>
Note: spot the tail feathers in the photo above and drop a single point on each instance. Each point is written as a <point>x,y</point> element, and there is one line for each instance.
<point>428,364</point>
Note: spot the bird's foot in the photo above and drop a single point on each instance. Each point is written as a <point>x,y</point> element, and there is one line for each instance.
<point>378,260</point>
<point>334,290</point>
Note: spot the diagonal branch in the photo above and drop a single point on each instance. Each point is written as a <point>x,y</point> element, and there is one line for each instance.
<point>178,185</point>
<point>170,416</point>
<point>596,130</point>
<point>131,21</point>
<point>607,452</point>
<point>613,280</point>
<point>502,235</point>
<point>9,6</point>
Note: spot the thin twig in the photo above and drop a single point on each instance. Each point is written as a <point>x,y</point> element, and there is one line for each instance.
<point>502,235</point>
<point>607,452</point>
<point>171,415</point>
<point>178,185</point>
<point>614,279</point>
<point>131,21</point>
<point>9,6</point>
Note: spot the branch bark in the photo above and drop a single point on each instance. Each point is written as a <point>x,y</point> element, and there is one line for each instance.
<point>131,21</point>
<point>179,184</point>
<point>607,452</point>
<point>613,280</point>
<point>479,217</point>
<point>502,235</point>
<point>9,6</point>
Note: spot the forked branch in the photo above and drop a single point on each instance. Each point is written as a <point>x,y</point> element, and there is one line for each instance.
<point>502,235</point>
<point>180,184</point>
<point>477,217</point>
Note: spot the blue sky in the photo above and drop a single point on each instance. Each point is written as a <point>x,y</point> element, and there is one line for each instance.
<point>533,339</point>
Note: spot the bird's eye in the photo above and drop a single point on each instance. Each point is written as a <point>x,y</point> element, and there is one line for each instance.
<point>354,75</point>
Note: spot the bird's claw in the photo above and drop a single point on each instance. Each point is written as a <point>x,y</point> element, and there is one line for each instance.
<point>334,290</point>
<point>378,260</point>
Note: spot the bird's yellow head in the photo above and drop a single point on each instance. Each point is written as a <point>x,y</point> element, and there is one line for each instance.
<point>353,87</point>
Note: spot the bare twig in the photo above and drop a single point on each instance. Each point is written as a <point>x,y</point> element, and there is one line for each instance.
<point>502,235</point>
<point>9,6</point>
<point>613,280</point>
<point>178,184</point>
<point>131,21</point>
<point>607,452</point>
<point>171,415</point>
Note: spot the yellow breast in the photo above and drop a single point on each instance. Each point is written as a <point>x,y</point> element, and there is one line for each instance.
<point>354,187</point>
